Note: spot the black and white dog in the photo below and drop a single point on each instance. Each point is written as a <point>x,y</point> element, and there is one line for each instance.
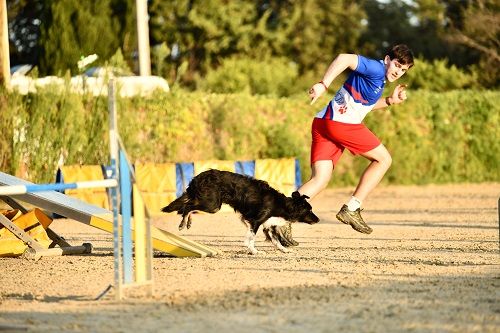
<point>256,201</point>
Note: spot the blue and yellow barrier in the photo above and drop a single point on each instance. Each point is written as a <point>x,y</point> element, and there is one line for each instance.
<point>161,183</point>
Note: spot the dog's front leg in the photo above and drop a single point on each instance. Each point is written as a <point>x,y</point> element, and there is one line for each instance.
<point>250,239</point>
<point>250,242</point>
<point>270,227</point>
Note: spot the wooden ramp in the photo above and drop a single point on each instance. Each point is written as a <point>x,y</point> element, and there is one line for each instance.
<point>101,218</point>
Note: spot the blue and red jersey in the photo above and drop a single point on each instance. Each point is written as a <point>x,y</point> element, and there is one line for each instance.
<point>359,93</point>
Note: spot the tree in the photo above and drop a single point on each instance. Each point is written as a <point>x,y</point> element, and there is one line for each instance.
<point>308,33</point>
<point>25,18</point>
<point>76,28</point>
<point>417,24</point>
<point>313,32</point>
<point>477,27</point>
<point>123,13</point>
<point>202,31</point>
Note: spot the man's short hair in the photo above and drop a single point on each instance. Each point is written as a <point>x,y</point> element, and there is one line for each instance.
<point>402,54</point>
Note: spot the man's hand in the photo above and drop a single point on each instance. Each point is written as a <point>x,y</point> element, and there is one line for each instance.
<point>399,94</point>
<point>316,91</point>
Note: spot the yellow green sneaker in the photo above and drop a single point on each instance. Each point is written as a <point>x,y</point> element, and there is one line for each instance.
<point>354,219</point>
<point>283,234</point>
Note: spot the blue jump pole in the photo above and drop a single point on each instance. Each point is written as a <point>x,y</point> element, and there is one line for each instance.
<point>126,194</point>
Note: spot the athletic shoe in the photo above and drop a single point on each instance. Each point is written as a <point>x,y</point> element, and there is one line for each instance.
<point>284,234</point>
<point>354,219</point>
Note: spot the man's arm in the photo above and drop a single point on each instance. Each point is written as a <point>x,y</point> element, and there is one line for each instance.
<point>338,65</point>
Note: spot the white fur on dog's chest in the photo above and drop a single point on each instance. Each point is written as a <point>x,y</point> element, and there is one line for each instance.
<point>274,221</point>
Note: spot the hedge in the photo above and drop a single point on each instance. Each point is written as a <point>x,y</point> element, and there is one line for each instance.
<point>434,137</point>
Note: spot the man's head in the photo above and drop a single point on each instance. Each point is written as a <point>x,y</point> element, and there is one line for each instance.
<point>397,62</point>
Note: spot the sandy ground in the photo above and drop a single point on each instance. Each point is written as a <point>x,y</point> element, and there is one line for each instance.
<point>431,265</point>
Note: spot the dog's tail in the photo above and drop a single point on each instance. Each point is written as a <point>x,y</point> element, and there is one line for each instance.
<point>177,205</point>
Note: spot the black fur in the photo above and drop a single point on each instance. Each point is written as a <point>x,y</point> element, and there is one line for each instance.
<point>254,199</point>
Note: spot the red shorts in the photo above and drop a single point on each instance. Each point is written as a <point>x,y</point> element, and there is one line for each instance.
<point>330,138</point>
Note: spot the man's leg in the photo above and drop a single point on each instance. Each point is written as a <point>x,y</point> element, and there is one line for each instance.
<point>320,176</point>
<point>380,162</point>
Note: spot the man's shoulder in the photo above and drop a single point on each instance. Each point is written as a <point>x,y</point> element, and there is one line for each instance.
<point>369,66</point>
<point>370,61</point>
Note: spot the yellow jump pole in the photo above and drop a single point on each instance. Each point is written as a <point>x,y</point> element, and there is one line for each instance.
<point>142,236</point>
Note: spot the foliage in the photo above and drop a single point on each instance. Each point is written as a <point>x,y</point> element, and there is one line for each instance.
<point>9,104</point>
<point>312,32</point>
<point>433,137</point>
<point>209,32</point>
<point>24,18</point>
<point>268,77</point>
<point>191,38</point>
<point>442,138</point>
<point>439,76</point>
<point>53,126</point>
<point>160,53</point>
<point>77,28</point>
<point>117,63</point>
<point>202,30</point>
<point>477,28</point>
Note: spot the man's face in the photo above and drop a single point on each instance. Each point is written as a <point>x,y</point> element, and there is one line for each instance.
<point>394,70</point>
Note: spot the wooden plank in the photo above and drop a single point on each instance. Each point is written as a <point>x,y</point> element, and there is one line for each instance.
<point>4,46</point>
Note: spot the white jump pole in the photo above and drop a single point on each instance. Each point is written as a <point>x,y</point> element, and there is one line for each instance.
<point>23,189</point>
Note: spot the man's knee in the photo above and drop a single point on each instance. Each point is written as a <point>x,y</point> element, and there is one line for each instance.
<point>382,156</point>
<point>386,160</point>
<point>321,180</point>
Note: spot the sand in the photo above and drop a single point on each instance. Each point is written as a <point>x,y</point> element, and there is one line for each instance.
<point>430,265</point>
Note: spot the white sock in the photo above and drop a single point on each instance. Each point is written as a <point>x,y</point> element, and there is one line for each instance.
<point>354,204</point>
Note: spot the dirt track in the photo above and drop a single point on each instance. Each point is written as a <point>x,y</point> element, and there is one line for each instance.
<point>431,265</point>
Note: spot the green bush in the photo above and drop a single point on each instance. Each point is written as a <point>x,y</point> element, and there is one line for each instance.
<point>438,76</point>
<point>9,104</point>
<point>442,138</point>
<point>433,137</point>
<point>53,126</point>
<point>274,77</point>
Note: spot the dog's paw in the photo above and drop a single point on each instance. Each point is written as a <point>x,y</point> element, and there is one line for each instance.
<point>285,250</point>
<point>254,251</point>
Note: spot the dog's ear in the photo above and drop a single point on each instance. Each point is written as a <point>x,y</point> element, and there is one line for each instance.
<point>297,195</point>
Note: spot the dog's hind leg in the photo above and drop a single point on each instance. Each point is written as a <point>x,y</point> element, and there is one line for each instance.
<point>190,218</point>
<point>186,215</point>
<point>187,219</point>
<point>184,220</point>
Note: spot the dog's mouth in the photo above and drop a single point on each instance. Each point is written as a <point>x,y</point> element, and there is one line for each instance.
<point>311,220</point>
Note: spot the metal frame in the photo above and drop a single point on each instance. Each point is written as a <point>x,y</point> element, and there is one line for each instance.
<point>35,251</point>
